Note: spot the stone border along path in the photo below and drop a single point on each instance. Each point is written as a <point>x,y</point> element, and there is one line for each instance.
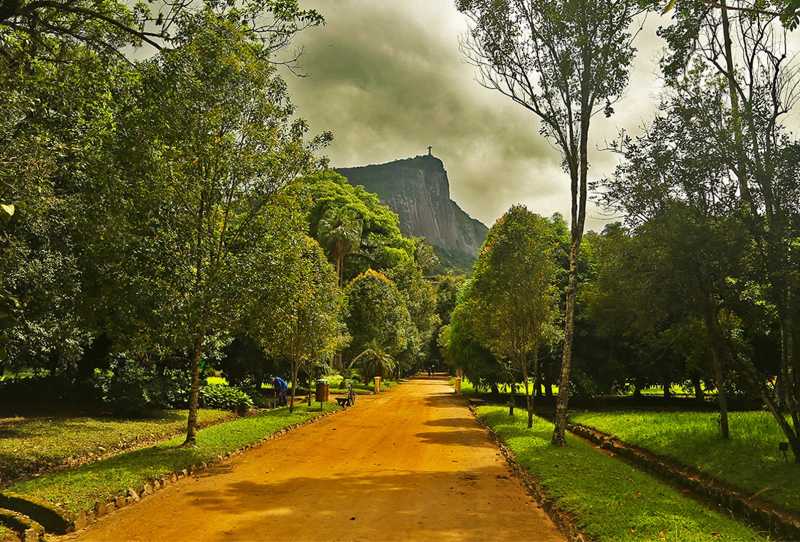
<point>565,521</point>
<point>132,496</point>
<point>136,444</point>
<point>705,488</point>
<point>412,464</point>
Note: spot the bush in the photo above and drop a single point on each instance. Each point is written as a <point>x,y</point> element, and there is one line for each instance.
<point>129,389</point>
<point>226,398</point>
<point>246,366</point>
<point>174,387</point>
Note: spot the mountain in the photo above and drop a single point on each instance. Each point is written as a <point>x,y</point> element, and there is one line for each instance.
<point>418,190</point>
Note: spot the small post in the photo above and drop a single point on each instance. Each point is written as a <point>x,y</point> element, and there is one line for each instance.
<point>784,449</point>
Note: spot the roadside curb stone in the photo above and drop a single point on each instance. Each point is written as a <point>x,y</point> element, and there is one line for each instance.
<point>131,496</point>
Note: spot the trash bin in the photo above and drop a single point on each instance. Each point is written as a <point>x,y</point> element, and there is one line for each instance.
<point>323,390</point>
<point>377,384</point>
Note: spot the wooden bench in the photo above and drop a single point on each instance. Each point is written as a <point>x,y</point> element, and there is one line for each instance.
<point>342,401</point>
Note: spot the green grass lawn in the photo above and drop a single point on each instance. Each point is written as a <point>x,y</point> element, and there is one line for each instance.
<point>749,460</point>
<point>611,500</point>
<point>469,388</point>
<point>78,489</point>
<point>29,445</point>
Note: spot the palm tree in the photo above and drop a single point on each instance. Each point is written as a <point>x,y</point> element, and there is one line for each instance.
<point>339,231</point>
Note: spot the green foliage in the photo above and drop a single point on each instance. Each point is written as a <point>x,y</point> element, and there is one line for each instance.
<point>608,498</point>
<point>372,363</point>
<point>357,231</point>
<point>132,389</point>
<point>377,315</point>
<point>225,398</point>
<point>246,365</point>
<point>506,314</point>
<point>129,389</point>
<point>513,287</point>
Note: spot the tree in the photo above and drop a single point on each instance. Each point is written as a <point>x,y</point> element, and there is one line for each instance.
<point>749,51</point>
<point>676,190</point>
<point>378,318</point>
<point>339,231</point>
<point>462,349</point>
<point>210,144</point>
<point>54,141</point>
<point>36,28</point>
<point>514,290</point>
<point>356,229</point>
<point>306,324</point>
<point>564,61</point>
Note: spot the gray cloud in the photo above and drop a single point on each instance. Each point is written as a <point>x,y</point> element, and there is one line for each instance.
<point>388,79</point>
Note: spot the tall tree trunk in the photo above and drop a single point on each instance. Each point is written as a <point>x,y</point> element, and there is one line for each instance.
<point>718,355</point>
<point>528,398</point>
<point>665,386</point>
<point>736,116</point>
<point>566,360</point>
<point>308,402</point>
<point>511,398</point>
<point>792,384</point>
<point>536,384</point>
<point>194,394</point>
<point>699,395</point>
<point>294,385</point>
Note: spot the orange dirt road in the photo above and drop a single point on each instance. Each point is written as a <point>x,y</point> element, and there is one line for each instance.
<point>410,464</point>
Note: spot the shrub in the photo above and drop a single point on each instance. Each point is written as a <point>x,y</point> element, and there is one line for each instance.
<point>226,398</point>
<point>245,365</point>
<point>129,389</point>
<point>132,389</point>
<point>174,387</point>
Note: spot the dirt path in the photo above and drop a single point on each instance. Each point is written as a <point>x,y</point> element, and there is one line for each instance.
<point>411,464</point>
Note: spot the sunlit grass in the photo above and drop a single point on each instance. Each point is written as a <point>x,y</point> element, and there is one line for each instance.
<point>470,388</point>
<point>749,460</point>
<point>29,445</point>
<point>78,489</point>
<point>611,500</point>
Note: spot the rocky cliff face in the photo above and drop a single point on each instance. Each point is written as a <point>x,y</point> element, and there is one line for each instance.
<point>418,190</point>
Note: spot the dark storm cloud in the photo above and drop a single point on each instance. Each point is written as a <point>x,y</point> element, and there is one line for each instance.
<point>388,79</point>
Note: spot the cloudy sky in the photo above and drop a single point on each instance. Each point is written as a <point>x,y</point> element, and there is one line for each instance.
<point>387,77</point>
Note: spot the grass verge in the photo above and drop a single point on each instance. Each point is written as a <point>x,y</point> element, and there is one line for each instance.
<point>609,499</point>
<point>77,490</point>
<point>33,445</point>
<point>750,460</point>
<point>7,534</point>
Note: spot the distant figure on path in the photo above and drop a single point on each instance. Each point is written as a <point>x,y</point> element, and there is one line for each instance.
<point>281,387</point>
